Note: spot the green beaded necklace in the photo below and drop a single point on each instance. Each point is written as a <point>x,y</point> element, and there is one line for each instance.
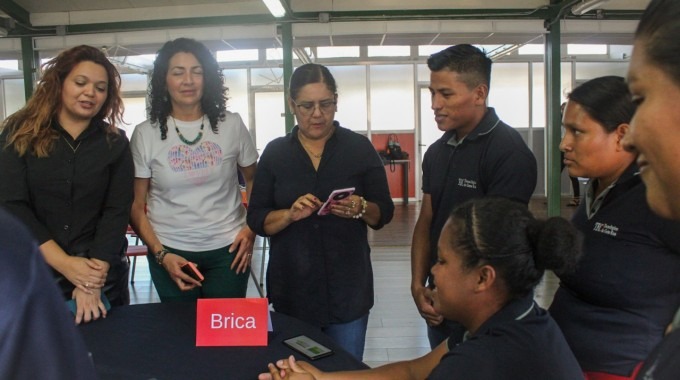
<point>184,140</point>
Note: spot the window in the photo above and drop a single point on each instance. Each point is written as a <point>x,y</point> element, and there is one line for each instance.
<point>337,51</point>
<point>586,49</point>
<point>428,50</point>
<point>389,51</point>
<point>274,54</point>
<point>237,55</point>
<point>9,64</point>
<point>392,100</point>
<point>531,49</point>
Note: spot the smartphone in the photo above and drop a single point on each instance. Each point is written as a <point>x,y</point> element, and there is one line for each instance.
<point>308,347</point>
<point>190,269</point>
<point>335,196</point>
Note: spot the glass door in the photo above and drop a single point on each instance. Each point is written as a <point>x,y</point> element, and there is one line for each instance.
<point>427,132</point>
<point>269,117</point>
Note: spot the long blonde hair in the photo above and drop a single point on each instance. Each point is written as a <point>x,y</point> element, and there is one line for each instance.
<point>29,128</point>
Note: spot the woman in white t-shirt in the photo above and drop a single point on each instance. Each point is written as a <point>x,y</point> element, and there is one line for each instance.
<point>188,205</point>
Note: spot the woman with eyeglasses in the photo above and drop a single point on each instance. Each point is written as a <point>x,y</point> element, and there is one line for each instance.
<point>320,267</point>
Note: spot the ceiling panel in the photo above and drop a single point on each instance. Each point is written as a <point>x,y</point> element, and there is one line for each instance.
<point>415,31</point>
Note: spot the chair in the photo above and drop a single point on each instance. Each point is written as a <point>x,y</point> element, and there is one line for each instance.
<point>259,282</point>
<point>134,251</point>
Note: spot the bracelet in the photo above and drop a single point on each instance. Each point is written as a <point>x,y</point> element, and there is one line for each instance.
<point>363,209</point>
<point>160,255</point>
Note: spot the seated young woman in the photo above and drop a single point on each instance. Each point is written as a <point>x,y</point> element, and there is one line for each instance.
<point>491,255</point>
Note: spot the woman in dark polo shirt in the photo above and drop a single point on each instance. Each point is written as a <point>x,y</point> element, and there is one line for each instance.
<point>491,254</point>
<point>614,309</point>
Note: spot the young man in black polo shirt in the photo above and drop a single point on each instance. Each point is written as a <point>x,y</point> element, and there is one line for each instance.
<point>478,155</point>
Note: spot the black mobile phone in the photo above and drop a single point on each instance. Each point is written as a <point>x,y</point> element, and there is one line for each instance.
<point>190,269</point>
<point>308,347</point>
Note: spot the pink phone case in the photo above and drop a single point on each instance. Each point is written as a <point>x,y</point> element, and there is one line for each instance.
<point>190,269</point>
<point>335,196</point>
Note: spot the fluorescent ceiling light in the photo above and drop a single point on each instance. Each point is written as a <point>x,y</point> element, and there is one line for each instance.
<point>586,6</point>
<point>275,7</point>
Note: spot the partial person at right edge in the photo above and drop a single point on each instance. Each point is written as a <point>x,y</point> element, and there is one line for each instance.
<point>478,155</point>
<point>654,82</point>
<point>38,339</point>
<point>615,307</point>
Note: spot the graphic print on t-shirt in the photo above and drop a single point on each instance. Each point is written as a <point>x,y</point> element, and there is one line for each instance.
<point>196,163</point>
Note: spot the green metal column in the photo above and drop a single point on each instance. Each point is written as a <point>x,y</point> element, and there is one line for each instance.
<point>287,39</point>
<point>29,64</point>
<point>552,132</point>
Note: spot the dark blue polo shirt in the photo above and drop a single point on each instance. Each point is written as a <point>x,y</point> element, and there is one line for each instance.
<point>491,160</point>
<point>38,337</point>
<point>614,309</point>
<point>521,341</point>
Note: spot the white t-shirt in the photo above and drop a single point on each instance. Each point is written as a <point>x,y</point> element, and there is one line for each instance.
<point>194,201</point>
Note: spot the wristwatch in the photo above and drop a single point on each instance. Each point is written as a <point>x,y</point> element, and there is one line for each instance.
<point>160,255</point>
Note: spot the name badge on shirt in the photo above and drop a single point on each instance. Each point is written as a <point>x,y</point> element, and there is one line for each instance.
<point>232,322</point>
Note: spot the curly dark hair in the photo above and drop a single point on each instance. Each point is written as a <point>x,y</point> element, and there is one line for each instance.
<point>214,100</point>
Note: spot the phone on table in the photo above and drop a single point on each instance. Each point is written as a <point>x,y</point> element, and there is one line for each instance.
<point>190,269</point>
<point>308,347</point>
<point>336,195</point>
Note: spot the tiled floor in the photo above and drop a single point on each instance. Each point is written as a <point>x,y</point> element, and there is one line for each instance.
<point>395,329</point>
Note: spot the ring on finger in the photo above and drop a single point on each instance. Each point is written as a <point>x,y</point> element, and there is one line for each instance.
<point>87,284</point>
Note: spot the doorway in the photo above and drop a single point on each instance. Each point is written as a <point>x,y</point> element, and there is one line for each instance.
<point>426,132</point>
<point>269,121</point>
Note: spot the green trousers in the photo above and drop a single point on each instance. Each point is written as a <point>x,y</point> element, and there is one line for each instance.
<point>220,281</point>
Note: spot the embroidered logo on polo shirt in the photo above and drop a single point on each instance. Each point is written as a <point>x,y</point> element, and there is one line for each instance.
<point>605,228</point>
<point>469,183</point>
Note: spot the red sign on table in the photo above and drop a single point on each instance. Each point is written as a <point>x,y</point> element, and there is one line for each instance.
<point>231,322</point>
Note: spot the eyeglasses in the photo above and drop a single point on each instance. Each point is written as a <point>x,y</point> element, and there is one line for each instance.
<point>308,108</point>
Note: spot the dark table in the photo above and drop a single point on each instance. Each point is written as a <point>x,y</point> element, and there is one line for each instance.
<point>158,341</point>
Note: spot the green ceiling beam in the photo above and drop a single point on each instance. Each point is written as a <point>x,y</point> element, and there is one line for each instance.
<point>553,93</point>
<point>169,23</point>
<point>302,17</point>
<point>15,11</point>
<point>407,14</point>
<point>287,40</point>
<point>29,59</point>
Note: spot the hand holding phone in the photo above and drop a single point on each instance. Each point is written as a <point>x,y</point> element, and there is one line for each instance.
<point>336,195</point>
<point>190,269</point>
